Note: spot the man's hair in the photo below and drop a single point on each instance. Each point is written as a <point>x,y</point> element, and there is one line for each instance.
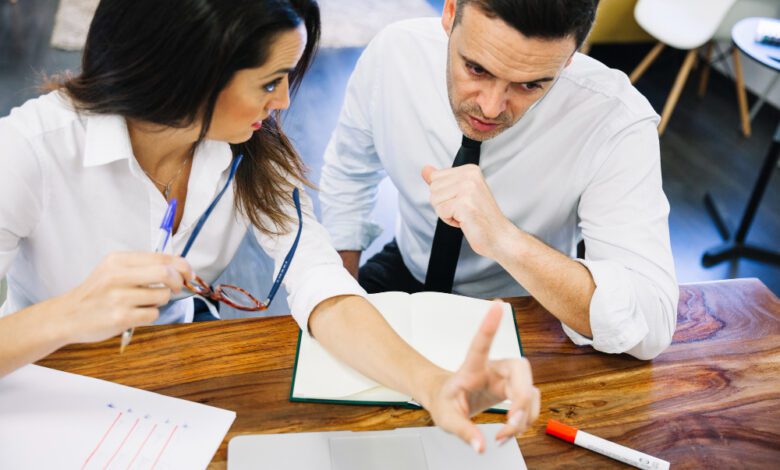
<point>546,19</point>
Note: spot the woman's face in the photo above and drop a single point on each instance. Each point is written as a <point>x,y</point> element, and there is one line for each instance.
<point>252,94</point>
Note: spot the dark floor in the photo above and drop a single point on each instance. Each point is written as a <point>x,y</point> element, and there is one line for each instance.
<point>702,149</point>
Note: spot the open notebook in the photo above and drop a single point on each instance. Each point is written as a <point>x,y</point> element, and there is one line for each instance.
<point>439,326</point>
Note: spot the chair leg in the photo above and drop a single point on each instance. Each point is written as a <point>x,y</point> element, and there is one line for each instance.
<point>741,94</point>
<point>649,59</point>
<point>705,71</point>
<point>674,95</point>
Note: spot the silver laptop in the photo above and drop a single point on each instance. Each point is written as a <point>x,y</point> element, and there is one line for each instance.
<point>426,448</point>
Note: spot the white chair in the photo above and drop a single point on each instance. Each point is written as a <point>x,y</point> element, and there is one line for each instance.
<point>682,24</point>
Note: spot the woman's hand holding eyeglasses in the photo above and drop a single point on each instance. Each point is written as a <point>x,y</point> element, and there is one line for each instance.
<point>118,294</point>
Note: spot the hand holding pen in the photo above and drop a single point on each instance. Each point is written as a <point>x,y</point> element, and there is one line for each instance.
<point>166,227</point>
<point>118,294</point>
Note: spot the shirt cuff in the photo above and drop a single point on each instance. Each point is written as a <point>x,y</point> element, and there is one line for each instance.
<point>318,284</point>
<point>616,323</point>
<point>353,236</point>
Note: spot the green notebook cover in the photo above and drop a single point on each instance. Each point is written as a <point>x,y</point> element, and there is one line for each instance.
<point>403,404</point>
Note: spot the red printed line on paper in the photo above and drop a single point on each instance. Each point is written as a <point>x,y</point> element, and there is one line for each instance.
<point>163,447</point>
<point>122,444</point>
<point>142,446</point>
<point>92,454</point>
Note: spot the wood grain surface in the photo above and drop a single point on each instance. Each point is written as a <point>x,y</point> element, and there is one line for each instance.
<point>712,400</point>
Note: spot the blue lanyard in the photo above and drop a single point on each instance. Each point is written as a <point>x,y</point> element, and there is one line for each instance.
<point>289,257</point>
<point>205,216</point>
<point>210,209</point>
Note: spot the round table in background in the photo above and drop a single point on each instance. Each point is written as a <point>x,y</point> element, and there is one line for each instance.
<point>744,37</point>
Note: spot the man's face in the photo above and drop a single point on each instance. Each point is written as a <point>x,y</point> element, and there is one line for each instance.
<point>495,73</point>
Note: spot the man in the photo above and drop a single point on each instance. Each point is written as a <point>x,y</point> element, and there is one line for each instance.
<point>554,148</point>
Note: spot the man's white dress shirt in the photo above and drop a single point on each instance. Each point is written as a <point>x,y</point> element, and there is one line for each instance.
<point>582,164</point>
<point>71,192</point>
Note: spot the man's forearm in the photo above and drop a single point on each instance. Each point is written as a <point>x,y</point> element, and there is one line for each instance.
<point>351,329</point>
<point>563,286</point>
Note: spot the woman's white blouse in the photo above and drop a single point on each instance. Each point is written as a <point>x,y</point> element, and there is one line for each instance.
<point>71,192</point>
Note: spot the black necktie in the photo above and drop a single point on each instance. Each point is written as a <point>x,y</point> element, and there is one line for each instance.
<point>447,239</point>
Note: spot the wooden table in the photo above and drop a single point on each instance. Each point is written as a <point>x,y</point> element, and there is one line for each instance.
<point>712,400</point>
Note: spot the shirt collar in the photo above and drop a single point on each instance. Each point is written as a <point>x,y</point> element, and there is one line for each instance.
<point>107,140</point>
<point>220,156</point>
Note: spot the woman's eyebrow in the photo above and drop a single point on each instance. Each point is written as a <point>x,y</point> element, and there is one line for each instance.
<point>283,71</point>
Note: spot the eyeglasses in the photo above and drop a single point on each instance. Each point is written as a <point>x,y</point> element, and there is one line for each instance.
<point>235,296</point>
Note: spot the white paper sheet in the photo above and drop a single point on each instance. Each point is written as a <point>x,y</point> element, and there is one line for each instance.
<point>54,419</point>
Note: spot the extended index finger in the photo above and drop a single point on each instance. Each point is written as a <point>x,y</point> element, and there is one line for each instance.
<point>140,258</point>
<point>143,259</point>
<point>477,355</point>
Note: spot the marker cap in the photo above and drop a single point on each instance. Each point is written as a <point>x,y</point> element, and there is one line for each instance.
<point>561,431</point>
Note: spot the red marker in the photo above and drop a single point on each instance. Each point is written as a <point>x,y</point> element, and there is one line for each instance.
<point>605,447</point>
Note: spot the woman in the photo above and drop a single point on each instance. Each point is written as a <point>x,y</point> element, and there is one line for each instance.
<point>170,95</point>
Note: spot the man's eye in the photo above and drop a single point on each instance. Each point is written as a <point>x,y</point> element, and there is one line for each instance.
<point>271,87</point>
<point>531,86</point>
<point>475,69</point>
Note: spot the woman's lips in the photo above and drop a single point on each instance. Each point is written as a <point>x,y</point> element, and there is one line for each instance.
<point>256,126</point>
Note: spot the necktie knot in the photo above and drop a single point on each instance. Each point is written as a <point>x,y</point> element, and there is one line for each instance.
<point>470,143</point>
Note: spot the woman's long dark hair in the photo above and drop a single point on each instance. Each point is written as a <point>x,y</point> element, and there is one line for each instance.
<point>166,61</point>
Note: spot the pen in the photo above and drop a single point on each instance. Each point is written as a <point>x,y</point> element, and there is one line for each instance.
<point>605,447</point>
<point>166,226</point>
